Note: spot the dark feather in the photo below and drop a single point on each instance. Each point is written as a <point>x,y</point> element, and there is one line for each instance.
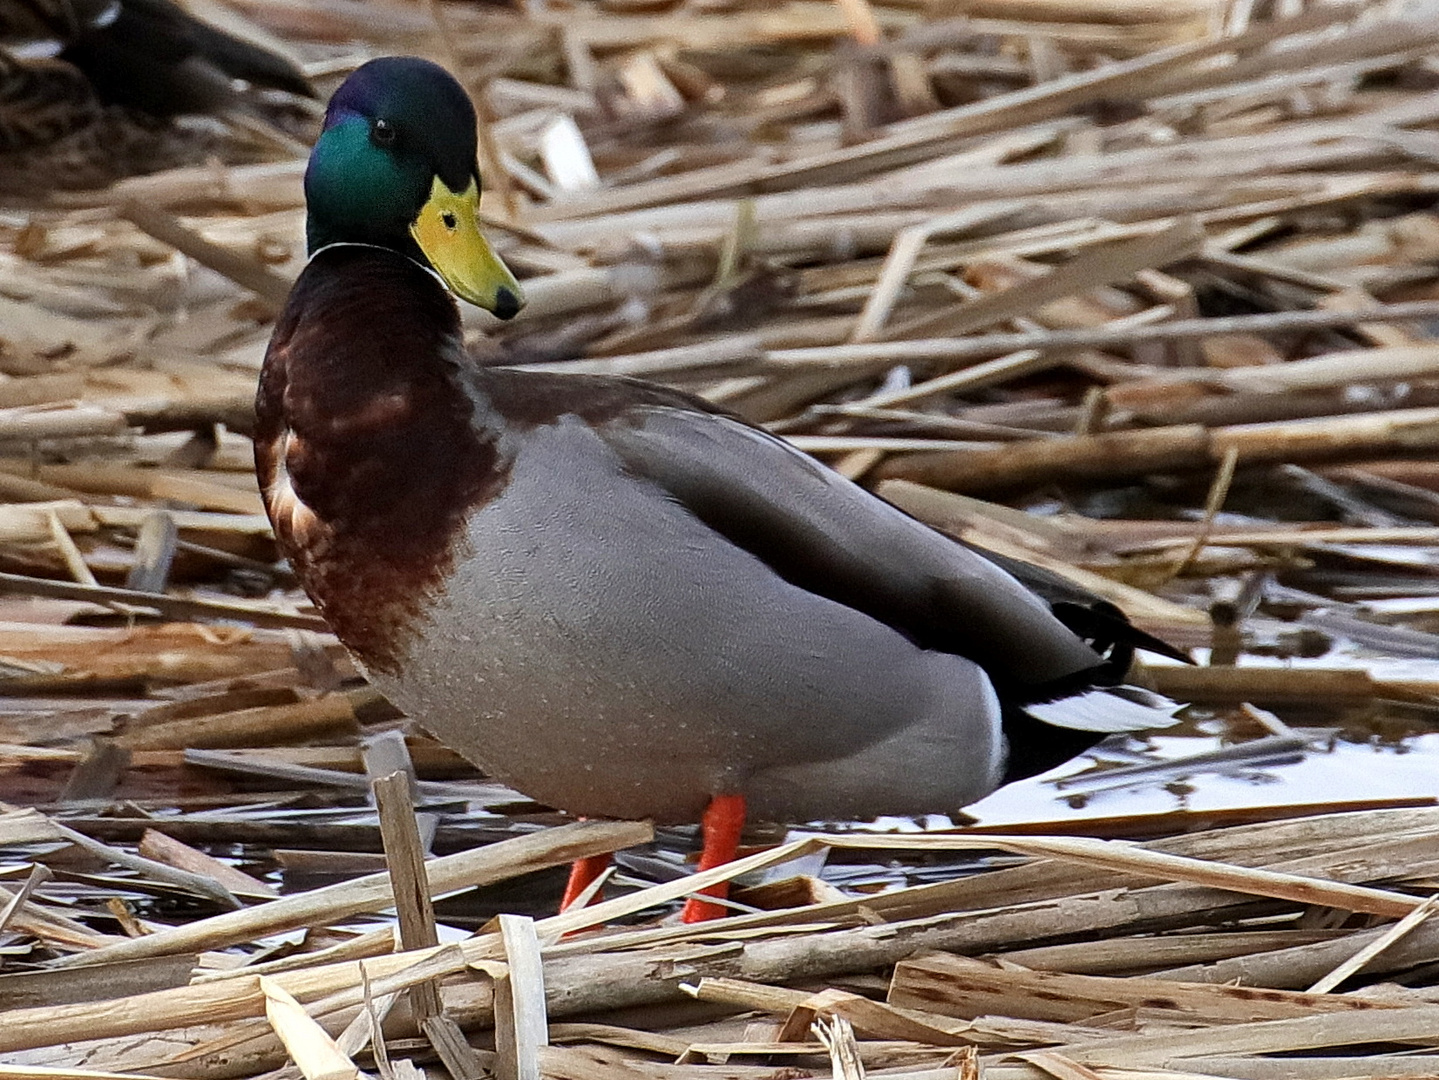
<point>158,60</point>
<point>1099,622</point>
<point>98,110</point>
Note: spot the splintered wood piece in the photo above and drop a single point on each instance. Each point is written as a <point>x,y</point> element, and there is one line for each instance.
<point>74,559</point>
<point>433,964</point>
<point>521,1021</point>
<point>43,1072</point>
<point>409,881</point>
<point>48,925</point>
<point>39,874</point>
<point>566,156</point>
<point>1088,903</point>
<point>360,947</point>
<point>838,1038</point>
<point>1098,266</point>
<point>405,1069</point>
<point>124,914</point>
<point>1120,956</point>
<point>1419,1024</point>
<point>876,1020</point>
<point>1356,963</point>
<point>200,883</point>
<point>449,1041</point>
<point>649,93</point>
<point>258,278</point>
<point>310,1047</point>
<point>326,715</point>
<point>1270,685</point>
<point>748,995</point>
<point>367,1028</point>
<point>956,350</point>
<point>61,421</point>
<point>161,848</point>
<point>899,265</point>
<point>155,545</point>
<point>1148,862</point>
<point>1132,453</point>
<point>172,606</point>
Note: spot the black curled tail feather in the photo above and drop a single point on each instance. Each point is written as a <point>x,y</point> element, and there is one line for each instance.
<point>1090,617</point>
<point>1108,631</point>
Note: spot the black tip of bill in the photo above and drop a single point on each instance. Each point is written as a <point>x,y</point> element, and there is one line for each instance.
<point>507,304</point>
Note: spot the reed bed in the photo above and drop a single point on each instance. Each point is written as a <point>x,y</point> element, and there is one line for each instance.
<point>1142,293</point>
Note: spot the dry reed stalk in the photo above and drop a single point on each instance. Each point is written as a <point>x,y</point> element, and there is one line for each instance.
<point>521,1021</point>
<point>967,989</point>
<point>1120,454</point>
<point>314,1052</point>
<point>1404,1025</point>
<point>263,282</point>
<point>173,605</point>
<point>409,882</point>
<point>373,893</point>
<point>1356,962</point>
<point>331,714</point>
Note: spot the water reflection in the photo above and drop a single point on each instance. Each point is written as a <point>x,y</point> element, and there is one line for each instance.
<point>1218,759</point>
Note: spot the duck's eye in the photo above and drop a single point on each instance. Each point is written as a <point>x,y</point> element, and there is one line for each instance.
<point>382,133</point>
<point>449,220</point>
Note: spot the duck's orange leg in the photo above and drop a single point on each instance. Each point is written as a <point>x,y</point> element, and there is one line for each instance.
<point>583,873</point>
<point>721,826</point>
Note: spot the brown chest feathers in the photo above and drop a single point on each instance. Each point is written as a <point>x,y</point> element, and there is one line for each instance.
<point>366,449</point>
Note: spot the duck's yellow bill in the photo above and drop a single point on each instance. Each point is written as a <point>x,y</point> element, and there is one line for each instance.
<point>448,232</point>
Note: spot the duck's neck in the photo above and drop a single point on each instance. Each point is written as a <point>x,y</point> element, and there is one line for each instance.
<point>321,232</point>
<point>366,424</point>
<point>386,306</point>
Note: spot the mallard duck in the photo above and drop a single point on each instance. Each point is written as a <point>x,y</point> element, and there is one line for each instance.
<point>88,88</point>
<point>618,598</point>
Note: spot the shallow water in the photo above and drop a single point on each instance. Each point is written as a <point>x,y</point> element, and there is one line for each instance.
<point>1349,752</point>
<point>1331,768</point>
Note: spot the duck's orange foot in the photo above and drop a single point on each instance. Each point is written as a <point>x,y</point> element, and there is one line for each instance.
<point>583,874</point>
<point>722,824</point>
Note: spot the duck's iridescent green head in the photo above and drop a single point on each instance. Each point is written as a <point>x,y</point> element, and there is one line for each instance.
<point>395,166</point>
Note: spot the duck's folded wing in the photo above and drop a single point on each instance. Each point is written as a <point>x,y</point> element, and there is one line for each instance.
<point>824,534</point>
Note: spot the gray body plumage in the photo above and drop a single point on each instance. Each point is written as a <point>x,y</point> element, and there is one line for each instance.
<point>602,648</point>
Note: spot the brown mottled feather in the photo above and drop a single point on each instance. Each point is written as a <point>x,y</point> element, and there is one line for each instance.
<point>365,445</point>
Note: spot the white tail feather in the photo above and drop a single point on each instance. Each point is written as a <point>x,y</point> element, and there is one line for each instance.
<point>1108,709</point>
